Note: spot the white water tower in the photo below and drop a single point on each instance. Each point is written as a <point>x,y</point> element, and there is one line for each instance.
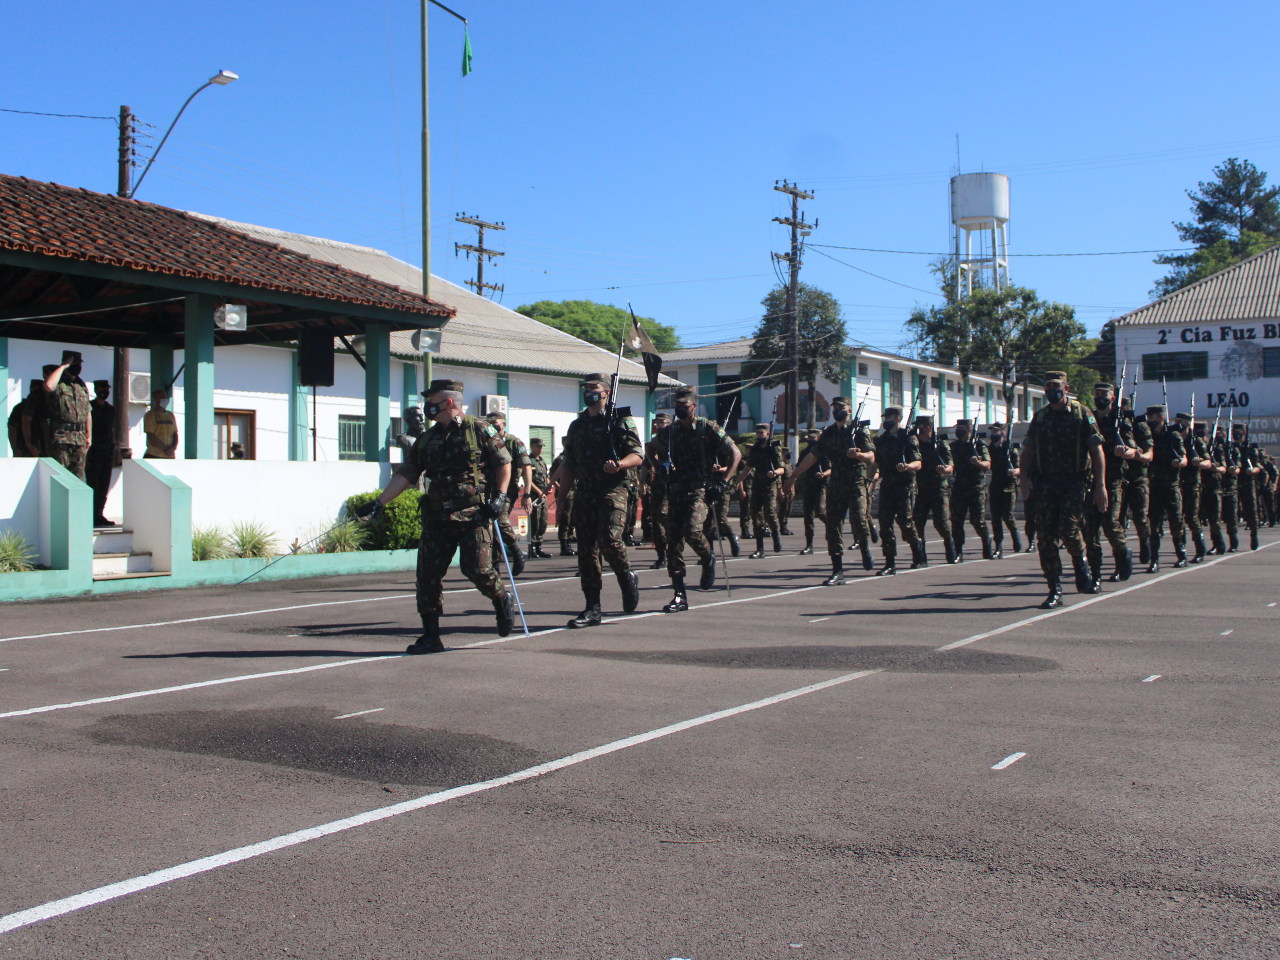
<point>980,209</point>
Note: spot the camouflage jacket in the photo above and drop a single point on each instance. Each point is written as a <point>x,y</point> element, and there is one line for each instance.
<point>586,449</point>
<point>519,454</point>
<point>1058,443</point>
<point>934,453</point>
<point>764,457</point>
<point>458,460</point>
<point>1004,460</point>
<point>1166,447</point>
<point>693,451</point>
<point>967,475</point>
<point>893,449</point>
<point>835,442</point>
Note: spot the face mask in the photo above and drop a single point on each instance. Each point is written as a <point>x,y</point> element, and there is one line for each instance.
<point>592,397</point>
<point>1053,395</point>
<point>889,424</point>
<point>840,414</point>
<point>684,411</point>
<point>1102,403</point>
<point>431,409</point>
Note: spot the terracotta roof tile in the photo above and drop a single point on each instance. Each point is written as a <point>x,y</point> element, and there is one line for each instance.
<point>77,224</point>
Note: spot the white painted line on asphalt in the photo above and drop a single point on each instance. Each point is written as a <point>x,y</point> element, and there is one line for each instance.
<point>1009,761</point>
<point>1227,633</point>
<point>57,908</point>
<point>1151,679</point>
<point>820,619</point>
<point>360,713</point>
<point>1098,598</point>
<point>1270,604</point>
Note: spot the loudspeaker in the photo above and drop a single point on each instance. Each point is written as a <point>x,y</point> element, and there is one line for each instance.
<point>315,358</point>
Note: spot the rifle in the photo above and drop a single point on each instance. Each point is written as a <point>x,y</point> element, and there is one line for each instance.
<point>611,409</point>
<point>910,430</point>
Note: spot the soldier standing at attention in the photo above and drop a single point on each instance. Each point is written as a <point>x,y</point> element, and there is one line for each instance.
<point>521,470</point>
<point>600,458</point>
<point>1198,465</point>
<point>848,449</point>
<point>1168,457</point>
<point>102,451</point>
<point>1211,491</point>
<point>1062,444</point>
<point>653,491</point>
<point>813,488</point>
<point>68,421</point>
<point>1118,434</point>
<point>564,510</point>
<point>468,471</point>
<point>24,434</point>
<point>535,500</point>
<point>933,487</point>
<point>1246,480</point>
<point>765,460</point>
<point>695,446</point>
<point>897,456</point>
<point>1004,488</point>
<point>969,492</point>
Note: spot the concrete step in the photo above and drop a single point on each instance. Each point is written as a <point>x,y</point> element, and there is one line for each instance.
<point>105,564</point>
<point>112,540</point>
<point>132,576</point>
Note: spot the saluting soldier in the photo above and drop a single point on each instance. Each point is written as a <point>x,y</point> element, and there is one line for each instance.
<point>969,491</point>
<point>1061,446</point>
<point>468,471</point>
<point>1004,488</point>
<point>765,459</point>
<point>601,454</point>
<point>847,448</point>
<point>1211,481</point>
<point>897,456</point>
<point>812,485</point>
<point>695,446</point>
<point>67,414</point>
<point>1190,480</point>
<point>653,487</point>
<point>564,509</point>
<point>933,487</point>
<point>1246,480</point>
<point>521,475</point>
<point>535,499</point>
<point>1117,431</point>
<point>1168,457</point>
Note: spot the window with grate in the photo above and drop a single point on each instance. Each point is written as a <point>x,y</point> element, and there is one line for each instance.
<point>548,437</point>
<point>1175,365</point>
<point>895,388</point>
<point>863,370</point>
<point>1271,361</point>
<point>350,437</point>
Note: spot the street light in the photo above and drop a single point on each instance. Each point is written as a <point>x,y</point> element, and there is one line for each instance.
<point>221,79</point>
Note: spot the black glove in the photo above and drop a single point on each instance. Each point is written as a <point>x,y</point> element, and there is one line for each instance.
<point>367,511</point>
<point>715,489</point>
<point>493,509</point>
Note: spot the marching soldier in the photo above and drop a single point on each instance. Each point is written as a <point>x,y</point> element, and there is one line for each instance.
<point>742,493</point>
<point>813,488</point>
<point>535,500</point>
<point>933,487</point>
<point>521,474</point>
<point>897,456</point>
<point>68,421</point>
<point>102,451</point>
<point>1267,487</point>
<point>468,472</point>
<point>1210,509</point>
<point>1062,444</point>
<point>1137,490</point>
<point>969,492</point>
<point>1246,480</point>
<point>1004,488</point>
<point>785,499</point>
<point>847,448</point>
<point>694,447</point>
<point>564,510</point>
<point>1190,480</point>
<point>1168,457</point>
<point>719,493</point>
<point>600,457</point>
<point>1225,453</point>
<point>653,486</point>
<point>1118,434</point>
<point>765,459</point>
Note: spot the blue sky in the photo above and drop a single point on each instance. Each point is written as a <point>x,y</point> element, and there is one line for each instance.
<point>632,149</point>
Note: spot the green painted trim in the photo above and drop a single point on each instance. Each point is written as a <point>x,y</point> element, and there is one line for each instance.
<point>160,365</point>
<point>502,384</point>
<point>4,395</point>
<point>299,410</point>
<point>884,385</point>
<point>707,379</point>
<point>753,397</point>
<point>409,384</point>
<point>377,392</point>
<point>965,390</point>
<point>849,381</point>
<point>987,398</point>
<point>215,572</point>
<point>942,401</point>
<point>197,379</point>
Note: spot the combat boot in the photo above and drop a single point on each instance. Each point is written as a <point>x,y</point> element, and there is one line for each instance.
<point>777,542</point>
<point>660,561</point>
<point>888,570</point>
<point>708,578</point>
<point>680,601</point>
<point>759,548</point>
<point>1054,599</point>
<point>1253,539</point>
<point>1144,549</point>
<point>988,551</point>
<point>867,562</point>
<point>566,550</point>
<point>918,556</point>
<point>1181,551</point>
<point>1124,565</point>
<point>590,617</point>
<point>430,641</point>
<point>1219,544</point>
<point>1235,542</point>
<point>505,611</point>
<point>630,591</point>
<point>808,547</point>
<point>1031,544</point>
<point>1153,554</point>
<point>1201,550</point>
<point>1084,576</point>
<point>959,546</point>
<point>734,547</point>
<point>1017,542</point>
<point>837,573</point>
<point>949,549</point>
<point>516,559</point>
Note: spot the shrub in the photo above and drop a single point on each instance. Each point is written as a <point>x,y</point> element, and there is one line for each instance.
<point>249,538</point>
<point>208,543</point>
<point>344,538</point>
<point>397,527</point>
<point>16,553</point>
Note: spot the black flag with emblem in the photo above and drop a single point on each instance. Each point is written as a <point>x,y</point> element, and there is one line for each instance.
<point>639,341</point>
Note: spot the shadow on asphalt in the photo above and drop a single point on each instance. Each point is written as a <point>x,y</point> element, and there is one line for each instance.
<point>256,654</point>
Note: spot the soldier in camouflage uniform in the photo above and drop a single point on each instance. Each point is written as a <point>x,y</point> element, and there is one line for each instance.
<point>1137,489</point>
<point>1247,457</point>
<point>601,454</point>
<point>694,446</point>
<point>897,456</point>
<point>765,460</point>
<point>719,495</point>
<point>812,486</point>
<point>933,486</point>
<point>521,474</point>
<point>1225,453</point>
<point>1004,488</point>
<point>1267,484</point>
<point>535,500</point>
<point>1117,431</point>
<point>467,470</point>
<point>969,491</point>
<point>24,431</point>
<point>564,510</point>
<point>742,493</point>
<point>1168,457</point>
<point>653,491</point>
<point>785,499</point>
<point>1211,491</point>
<point>1061,446</point>
<point>1190,479</point>
<point>847,447</point>
<point>68,422</point>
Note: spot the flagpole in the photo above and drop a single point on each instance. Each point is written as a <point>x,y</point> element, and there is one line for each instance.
<point>426,166</point>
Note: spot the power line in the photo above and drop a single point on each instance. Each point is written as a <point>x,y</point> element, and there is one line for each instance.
<point>932,293</point>
<point>69,116</point>
<point>926,253</point>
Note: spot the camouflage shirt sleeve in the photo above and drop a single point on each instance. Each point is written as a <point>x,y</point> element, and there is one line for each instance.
<point>493,452</point>
<point>1089,424</point>
<point>519,453</point>
<point>719,446</point>
<point>626,438</point>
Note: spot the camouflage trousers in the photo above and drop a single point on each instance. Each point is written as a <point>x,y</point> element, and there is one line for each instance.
<point>1059,513</point>
<point>717,526</point>
<point>443,535</point>
<point>764,506</point>
<point>1191,506</point>
<point>1166,505</point>
<point>1110,523</point>
<point>600,520</point>
<point>509,539</point>
<point>70,455</point>
<point>744,509</point>
<point>969,504</point>
<point>1248,500</point>
<point>897,503</point>
<point>1003,504</point>
<point>812,503</point>
<point>1137,497</point>
<point>686,521</point>
<point>564,517</point>
<point>1210,509</point>
<point>655,510</point>
<point>935,499</point>
<point>537,521</point>
<point>846,498</point>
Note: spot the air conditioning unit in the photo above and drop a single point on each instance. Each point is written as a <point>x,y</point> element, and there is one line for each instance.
<point>140,388</point>
<point>493,403</point>
<point>231,316</point>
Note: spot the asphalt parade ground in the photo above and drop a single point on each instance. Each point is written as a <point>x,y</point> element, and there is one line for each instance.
<point>921,766</point>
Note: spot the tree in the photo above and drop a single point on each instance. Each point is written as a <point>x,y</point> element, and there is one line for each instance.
<point>1236,216</point>
<point>598,323</point>
<point>823,353</point>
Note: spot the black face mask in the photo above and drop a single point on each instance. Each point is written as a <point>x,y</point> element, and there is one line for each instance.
<point>431,409</point>
<point>684,411</point>
<point>1102,403</point>
<point>1054,396</point>
<point>889,424</point>
<point>840,414</point>
<point>592,397</point>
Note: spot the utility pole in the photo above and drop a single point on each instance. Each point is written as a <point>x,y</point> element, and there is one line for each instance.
<point>481,252</point>
<point>120,355</point>
<point>799,230</point>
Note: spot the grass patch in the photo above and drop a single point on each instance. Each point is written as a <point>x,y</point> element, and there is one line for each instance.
<point>249,538</point>
<point>208,543</point>
<point>16,553</point>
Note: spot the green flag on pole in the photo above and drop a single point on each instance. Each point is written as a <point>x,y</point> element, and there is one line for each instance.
<point>466,52</point>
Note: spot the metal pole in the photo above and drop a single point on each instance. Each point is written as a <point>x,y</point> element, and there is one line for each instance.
<point>497,535</point>
<point>120,355</point>
<point>426,166</point>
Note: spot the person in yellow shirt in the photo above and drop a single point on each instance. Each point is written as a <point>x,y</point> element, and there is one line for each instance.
<point>161,428</point>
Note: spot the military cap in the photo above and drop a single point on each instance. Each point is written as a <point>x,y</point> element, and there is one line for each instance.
<point>535,441</point>
<point>965,423</point>
<point>593,378</point>
<point>102,383</point>
<point>48,368</point>
<point>495,417</point>
<point>995,426</point>
<point>1055,375</point>
<point>845,400</point>
<point>685,393</point>
<point>1156,409</point>
<point>893,410</point>
<point>764,426</point>
<point>926,418</point>
<point>1102,386</point>
<point>453,386</point>
<point>662,418</point>
<point>1182,416</point>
